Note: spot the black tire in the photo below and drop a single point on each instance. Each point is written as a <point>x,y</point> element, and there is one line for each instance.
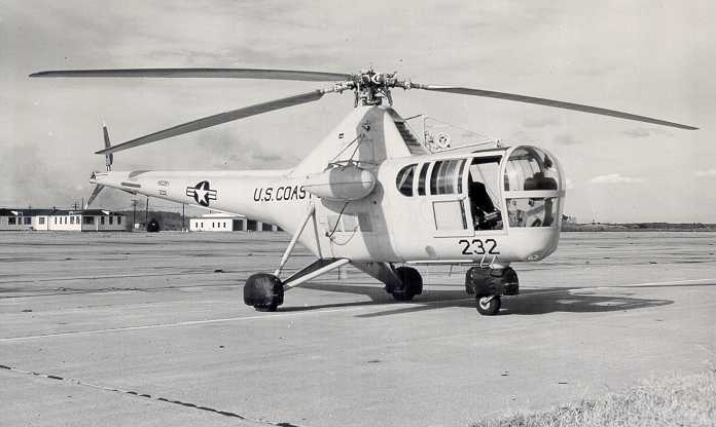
<point>266,308</point>
<point>412,284</point>
<point>488,308</point>
<point>263,291</point>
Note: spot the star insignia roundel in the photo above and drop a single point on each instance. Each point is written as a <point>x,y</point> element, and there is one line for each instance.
<point>202,193</point>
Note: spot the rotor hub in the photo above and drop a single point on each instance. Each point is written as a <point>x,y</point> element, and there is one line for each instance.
<point>372,87</point>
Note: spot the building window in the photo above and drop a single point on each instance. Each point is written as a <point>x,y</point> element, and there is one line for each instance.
<point>119,220</point>
<point>12,220</point>
<point>72,220</point>
<point>88,220</point>
<point>41,220</point>
<point>65,220</point>
<point>55,218</point>
<point>28,220</point>
<point>111,220</point>
<point>101,221</point>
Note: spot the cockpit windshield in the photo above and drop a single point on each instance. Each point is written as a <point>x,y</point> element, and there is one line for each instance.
<point>531,169</point>
<point>528,170</point>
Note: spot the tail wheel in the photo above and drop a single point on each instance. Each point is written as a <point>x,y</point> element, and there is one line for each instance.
<point>488,305</point>
<point>412,284</point>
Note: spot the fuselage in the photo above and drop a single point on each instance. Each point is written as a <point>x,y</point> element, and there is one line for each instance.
<point>491,206</point>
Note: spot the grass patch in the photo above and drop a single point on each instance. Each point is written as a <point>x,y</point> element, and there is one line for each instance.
<point>674,401</point>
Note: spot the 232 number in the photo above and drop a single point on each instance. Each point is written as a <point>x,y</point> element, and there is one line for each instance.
<point>478,247</point>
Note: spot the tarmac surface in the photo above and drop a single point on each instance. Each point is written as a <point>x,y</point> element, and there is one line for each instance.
<point>142,329</point>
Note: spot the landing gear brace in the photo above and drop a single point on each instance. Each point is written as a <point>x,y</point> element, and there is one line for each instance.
<point>265,291</point>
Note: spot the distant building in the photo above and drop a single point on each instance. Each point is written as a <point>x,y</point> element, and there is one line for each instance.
<point>61,220</point>
<point>228,222</point>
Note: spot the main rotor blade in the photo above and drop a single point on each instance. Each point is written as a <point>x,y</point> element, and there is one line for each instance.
<point>211,73</point>
<point>217,119</point>
<point>549,103</point>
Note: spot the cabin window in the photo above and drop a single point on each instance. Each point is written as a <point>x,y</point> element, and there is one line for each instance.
<point>119,220</point>
<point>422,178</point>
<point>28,220</point>
<point>72,220</point>
<point>528,212</point>
<point>88,220</point>
<point>12,220</point>
<point>111,220</point>
<point>41,220</point>
<point>531,169</point>
<point>445,177</point>
<point>404,181</point>
<point>101,221</point>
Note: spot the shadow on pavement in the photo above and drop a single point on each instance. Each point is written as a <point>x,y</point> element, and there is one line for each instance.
<point>529,302</point>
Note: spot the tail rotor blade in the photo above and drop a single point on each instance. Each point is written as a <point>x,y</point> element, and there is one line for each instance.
<point>218,119</point>
<point>97,189</point>
<point>547,102</point>
<point>109,158</point>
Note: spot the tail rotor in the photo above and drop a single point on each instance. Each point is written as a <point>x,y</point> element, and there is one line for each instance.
<point>108,160</point>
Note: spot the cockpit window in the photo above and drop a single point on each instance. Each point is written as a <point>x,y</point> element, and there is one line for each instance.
<point>404,180</point>
<point>539,212</point>
<point>531,169</point>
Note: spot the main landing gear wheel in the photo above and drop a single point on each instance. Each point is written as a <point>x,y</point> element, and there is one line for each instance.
<point>412,284</point>
<point>488,305</point>
<point>263,291</point>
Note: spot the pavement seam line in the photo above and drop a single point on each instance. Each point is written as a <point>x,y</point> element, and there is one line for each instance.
<point>136,394</point>
<point>223,320</point>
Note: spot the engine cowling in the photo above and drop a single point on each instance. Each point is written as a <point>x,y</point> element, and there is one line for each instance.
<point>348,182</point>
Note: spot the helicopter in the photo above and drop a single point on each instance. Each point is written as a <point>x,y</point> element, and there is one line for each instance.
<point>370,194</point>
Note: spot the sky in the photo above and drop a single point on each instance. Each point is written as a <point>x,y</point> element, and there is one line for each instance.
<point>648,57</point>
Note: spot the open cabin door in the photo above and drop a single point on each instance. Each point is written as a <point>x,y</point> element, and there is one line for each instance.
<point>482,180</point>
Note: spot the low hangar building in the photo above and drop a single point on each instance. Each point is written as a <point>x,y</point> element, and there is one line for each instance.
<point>61,220</point>
<point>228,222</point>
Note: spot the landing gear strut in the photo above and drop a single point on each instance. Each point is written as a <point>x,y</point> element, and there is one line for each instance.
<point>488,285</point>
